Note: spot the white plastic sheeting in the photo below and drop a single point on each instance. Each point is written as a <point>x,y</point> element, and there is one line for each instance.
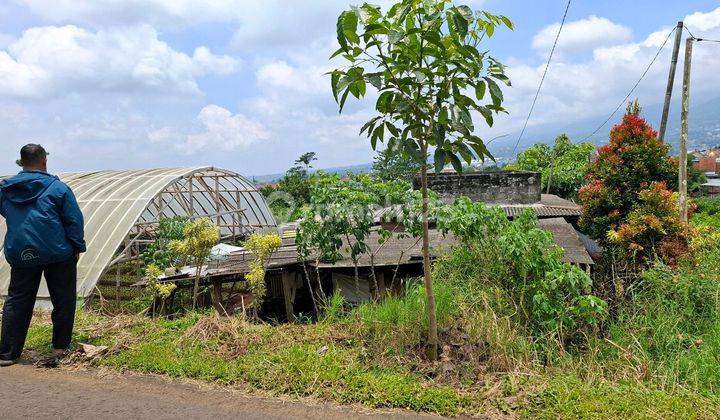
<point>113,202</point>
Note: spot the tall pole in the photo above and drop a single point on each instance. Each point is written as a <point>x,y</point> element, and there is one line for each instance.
<point>684,130</point>
<point>671,80</point>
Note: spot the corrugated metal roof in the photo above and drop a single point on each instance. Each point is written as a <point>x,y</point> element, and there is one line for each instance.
<point>549,206</point>
<point>113,202</point>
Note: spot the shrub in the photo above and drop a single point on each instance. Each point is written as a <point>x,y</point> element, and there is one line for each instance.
<point>632,160</point>
<point>653,226</point>
<point>551,298</point>
<point>262,247</point>
<point>564,165</point>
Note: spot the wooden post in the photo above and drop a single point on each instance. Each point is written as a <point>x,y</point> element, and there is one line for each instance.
<point>381,285</point>
<point>671,81</point>
<point>682,178</point>
<point>288,282</point>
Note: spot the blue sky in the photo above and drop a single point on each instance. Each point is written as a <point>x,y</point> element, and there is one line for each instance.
<point>238,83</point>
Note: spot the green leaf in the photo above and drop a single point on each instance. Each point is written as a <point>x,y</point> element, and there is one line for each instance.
<point>342,40</point>
<point>392,129</point>
<point>384,102</point>
<point>420,77</point>
<point>455,162</point>
<point>338,52</point>
<point>443,116</point>
<point>375,80</point>
<point>480,90</point>
<point>358,88</point>
<point>461,25</point>
<point>507,22</point>
<point>439,133</point>
<point>395,36</point>
<point>334,79</point>
<point>343,99</point>
<point>503,78</point>
<point>439,160</point>
<point>495,91</point>
<point>466,13</point>
<point>349,26</point>
<point>486,113</point>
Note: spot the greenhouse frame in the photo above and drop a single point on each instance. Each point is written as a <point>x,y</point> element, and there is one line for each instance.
<point>122,210</point>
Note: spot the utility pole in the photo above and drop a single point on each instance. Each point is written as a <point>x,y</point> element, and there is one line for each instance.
<point>671,80</point>
<point>682,184</point>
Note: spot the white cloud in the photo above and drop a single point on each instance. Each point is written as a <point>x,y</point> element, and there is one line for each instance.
<point>123,12</point>
<point>582,35</point>
<point>52,60</point>
<point>215,128</point>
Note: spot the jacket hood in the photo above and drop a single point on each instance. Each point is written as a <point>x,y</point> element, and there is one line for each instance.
<point>26,187</point>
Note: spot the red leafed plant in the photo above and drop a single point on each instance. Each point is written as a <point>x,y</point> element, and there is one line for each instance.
<point>653,226</point>
<point>632,160</point>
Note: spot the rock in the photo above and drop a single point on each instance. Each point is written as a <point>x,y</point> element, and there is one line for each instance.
<point>92,352</point>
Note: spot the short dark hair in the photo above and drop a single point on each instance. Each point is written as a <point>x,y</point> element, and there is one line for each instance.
<point>32,154</point>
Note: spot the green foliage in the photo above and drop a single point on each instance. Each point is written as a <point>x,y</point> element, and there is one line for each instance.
<point>292,192</point>
<point>158,252</point>
<point>653,226</point>
<point>199,236</point>
<point>424,59</point>
<point>696,177</point>
<point>392,165</point>
<point>632,160</point>
<point>345,209</point>
<point>551,297</point>
<point>564,165</point>
<point>262,247</point>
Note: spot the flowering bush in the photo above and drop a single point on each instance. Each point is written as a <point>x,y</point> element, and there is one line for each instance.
<point>653,225</point>
<point>633,159</point>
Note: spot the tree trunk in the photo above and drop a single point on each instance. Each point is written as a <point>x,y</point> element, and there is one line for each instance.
<point>432,344</point>
<point>196,286</point>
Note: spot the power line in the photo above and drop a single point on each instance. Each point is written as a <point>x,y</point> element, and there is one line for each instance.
<point>634,86</point>
<point>542,80</point>
<point>697,39</point>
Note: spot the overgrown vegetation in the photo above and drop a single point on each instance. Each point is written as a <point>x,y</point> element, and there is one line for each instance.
<point>502,352</point>
<point>562,167</point>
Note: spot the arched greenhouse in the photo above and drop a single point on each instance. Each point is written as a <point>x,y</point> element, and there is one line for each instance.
<point>122,210</point>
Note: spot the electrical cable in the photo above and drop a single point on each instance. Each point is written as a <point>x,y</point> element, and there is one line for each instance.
<point>634,86</point>
<point>542,80</point>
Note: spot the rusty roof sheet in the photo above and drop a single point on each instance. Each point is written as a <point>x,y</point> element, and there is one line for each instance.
<point>568,239</point>
<point>549,206</point>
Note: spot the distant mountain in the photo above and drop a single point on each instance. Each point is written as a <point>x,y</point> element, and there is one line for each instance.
<point>704,129</point>
<point>704,133</point>
<point>340,170</point>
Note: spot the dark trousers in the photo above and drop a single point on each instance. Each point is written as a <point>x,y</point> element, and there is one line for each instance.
<point>24,283</point>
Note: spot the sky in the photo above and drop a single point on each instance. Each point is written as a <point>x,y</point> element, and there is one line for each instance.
<point>240,84</point>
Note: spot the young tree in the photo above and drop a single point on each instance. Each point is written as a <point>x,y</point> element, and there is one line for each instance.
<point>423,57</point>
<point>262,247</point>
<point>306,159</point>
<point>199,236</point>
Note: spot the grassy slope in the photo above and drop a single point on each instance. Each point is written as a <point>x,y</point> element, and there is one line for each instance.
<point>330,363</point>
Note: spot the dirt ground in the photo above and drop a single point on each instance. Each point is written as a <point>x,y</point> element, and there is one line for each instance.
<point>30,392</point>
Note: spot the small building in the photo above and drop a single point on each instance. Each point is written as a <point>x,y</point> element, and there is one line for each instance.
<point>711,187</point>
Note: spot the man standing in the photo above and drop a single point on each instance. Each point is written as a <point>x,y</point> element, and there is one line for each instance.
<point>44,236</point>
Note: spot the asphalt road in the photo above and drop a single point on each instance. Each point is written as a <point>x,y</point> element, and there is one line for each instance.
<point>27,392</point>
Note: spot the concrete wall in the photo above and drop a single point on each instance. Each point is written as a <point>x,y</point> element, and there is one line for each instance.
<point>501,187</point>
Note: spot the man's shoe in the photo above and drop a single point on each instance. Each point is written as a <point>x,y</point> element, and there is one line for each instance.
<point>6,363</point>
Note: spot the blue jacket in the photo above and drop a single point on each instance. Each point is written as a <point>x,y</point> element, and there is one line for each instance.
<point>44,222</point>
